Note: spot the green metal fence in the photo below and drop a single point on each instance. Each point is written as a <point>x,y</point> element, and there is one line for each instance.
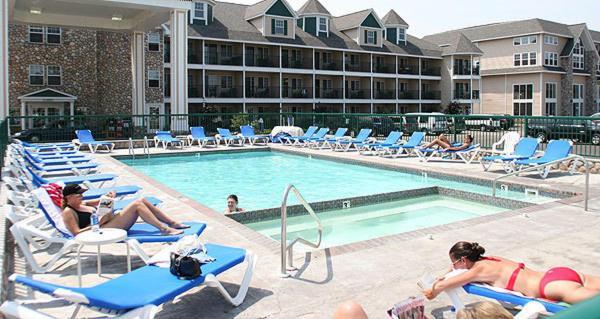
<point>486,129</point>
<point>4,139</point>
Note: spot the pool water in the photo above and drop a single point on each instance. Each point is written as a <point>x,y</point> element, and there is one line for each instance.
<point>355,224</point>
<point>259,178</point>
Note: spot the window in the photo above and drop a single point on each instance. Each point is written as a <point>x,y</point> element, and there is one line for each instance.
<point>551,98</point>
<point>227,82</point>
<point>153,41</point>
<point>551,40</point>
<point>577,99</point>
<point>323,25</point>
<point>53,35</point>
<point>226,51</point>
<point>532,39</point>
<point>401,35</point>
<point>153,78</point>
<point>200,10</point>
<point>551,58</point>
<point>523,92</point>
<point>532,58</point>
<point>518,59</point>
<point>578,55</point>
<point>279,27</point>
<point>36,34</point>
<point>370,37</point>
<point>54,75</point>
<point>36,74</point>
<point>525,59</point>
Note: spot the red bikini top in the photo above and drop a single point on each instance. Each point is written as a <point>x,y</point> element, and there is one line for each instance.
<point>513,277</point>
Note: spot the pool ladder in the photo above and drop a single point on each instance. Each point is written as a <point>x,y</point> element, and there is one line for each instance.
<point>287,250</point>
<point>132,149</point>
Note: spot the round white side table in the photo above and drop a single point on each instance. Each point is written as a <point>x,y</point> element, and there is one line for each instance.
<point>105,236</point>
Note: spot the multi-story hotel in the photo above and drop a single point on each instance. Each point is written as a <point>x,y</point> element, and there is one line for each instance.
<point>267,57</point>
<point>528,67</point>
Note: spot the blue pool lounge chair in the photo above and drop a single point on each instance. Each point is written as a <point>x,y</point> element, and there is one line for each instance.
<point>467,155</point>
<point>345,144</point>
<point>390,140</point>
<point>79,179</point>
<point>198,135</point>
<point>139,293</point>
<point>42,170</point>
<point>328,141</point>
<point>85,137</point>
<point>555,151</point>
<point>511,298</point>
<point>249,136</point>
<point>165,139</point>
<point>525,148</point>
<point>46,147</point>
<point>228,138</point>
<point>57,161</point>
<point>317,136</point>
<point>409,146</point>
<point>295,139</point>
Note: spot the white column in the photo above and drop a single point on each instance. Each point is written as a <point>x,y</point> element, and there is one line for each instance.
<point>72,112</point>
<point>23,113</point>
<point>139,78</point>
<point>3,59</point>
<point>179,81</point>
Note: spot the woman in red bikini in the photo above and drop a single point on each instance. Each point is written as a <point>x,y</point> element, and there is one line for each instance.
<point>558,284</point>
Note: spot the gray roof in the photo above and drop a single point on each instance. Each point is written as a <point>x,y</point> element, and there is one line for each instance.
<point>595,35</point>
<point>568,48</point>
<point>577,29</point>
<point>313,6</point>
<point>532,69</point>
<point>503,29</point>
<point>461,45</point>
<point>392,18</point>
<point>257,9</point>
<point>228,24</point>
<point>351,20</point>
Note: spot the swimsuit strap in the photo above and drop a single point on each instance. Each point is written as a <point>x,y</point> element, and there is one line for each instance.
<point>513,277</point>
<point>490,258</point>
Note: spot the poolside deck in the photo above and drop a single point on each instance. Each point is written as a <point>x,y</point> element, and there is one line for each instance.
<point>377,273</point>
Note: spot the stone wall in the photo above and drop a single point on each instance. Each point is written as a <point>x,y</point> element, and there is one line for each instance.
<point>113,73</point>
<point>76,55</point>
<point>591,83</point>
<point>565,105</point>
<point>154,60</point>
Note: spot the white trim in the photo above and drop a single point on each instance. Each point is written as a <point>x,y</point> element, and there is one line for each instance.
<point>529,72</point>
<point>29,75</point>
<point>59,35</point>
<point>29,33</point>
<point>319,25</point>
<point>29,97</point>
<point>60,75</point>
<point>204,10</point>
<point>521,35</point>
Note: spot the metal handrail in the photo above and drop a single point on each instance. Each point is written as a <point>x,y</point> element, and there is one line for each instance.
<point>538,167</point>
<point>131,150</point>
<point>146,147</point>
<point>289,249</point>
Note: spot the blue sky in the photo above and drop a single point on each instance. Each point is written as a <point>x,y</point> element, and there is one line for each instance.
<point>428,16</point>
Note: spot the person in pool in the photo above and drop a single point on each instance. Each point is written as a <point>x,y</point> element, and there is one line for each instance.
<point>443,143</point>
<point>77,214</point>
<point>558,283</point>
<point>232,205</point>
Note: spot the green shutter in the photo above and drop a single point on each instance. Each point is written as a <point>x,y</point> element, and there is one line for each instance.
<point>285,28</point>
<point>209,16</point>
<point>392,35</point>
<point>311,25</point>
<point>300,22</point>
<point>272,26</point>
<point>366,35</point>
<point>375,37</point>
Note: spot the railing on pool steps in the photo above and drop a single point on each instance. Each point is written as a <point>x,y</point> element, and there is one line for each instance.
<point>131,149</point>
<point>544,168</point>
<point>287,250</point>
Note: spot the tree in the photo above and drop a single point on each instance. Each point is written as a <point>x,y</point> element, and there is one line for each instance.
<point>454,108</point>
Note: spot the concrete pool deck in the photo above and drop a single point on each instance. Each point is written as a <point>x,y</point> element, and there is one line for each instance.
<point>376,274</point>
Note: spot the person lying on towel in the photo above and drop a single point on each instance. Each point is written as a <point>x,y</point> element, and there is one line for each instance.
<point>557,284</point>
<point>443,143</point>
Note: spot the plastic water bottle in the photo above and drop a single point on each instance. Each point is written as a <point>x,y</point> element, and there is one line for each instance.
<point>94,223</point>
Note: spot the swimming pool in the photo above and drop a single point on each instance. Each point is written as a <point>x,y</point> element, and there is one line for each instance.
<point>344,226</point>
<point>259,178</point>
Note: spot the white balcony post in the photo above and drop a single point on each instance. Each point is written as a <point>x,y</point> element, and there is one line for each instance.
<point>139,78</point>
<point>23,113</point>
<point>179,81</point>
<point>3,59</point>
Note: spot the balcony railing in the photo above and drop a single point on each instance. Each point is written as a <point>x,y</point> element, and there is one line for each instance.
<point>431,95</point>
<point>384,94</point>
<point>216,91</point>
<point>262,92</point>
<point>329,93</point>
<point>408,69</point>
<point>465,70</point>
<point>462,95</point>
<point>408,94</point>
<point>303,63</point>
<point>358,94</point>
<point>384,68</point>
<point>267,61</point>
<point>333,65</point>
<point>433,71</point>
<point>195,91</point>
<point>223,60</point>
<point>194,58</point>
<point>297,93</point>
<point>358,67</point>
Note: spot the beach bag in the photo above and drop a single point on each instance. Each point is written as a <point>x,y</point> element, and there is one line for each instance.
<point>185,267</point>
<point>411,308</point>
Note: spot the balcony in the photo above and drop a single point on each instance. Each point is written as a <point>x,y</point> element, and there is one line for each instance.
<point>431,71</point>
<point>329,93</point>
<point>262,92</point>
<point>358,94</point>
<point>465,70</point>
<point>223,60</point>
<point>216,91</point>
<point>358,67</point>
<point>408,69</point>
<point>431,95</point>
<point>297,93</point>
<point>262,61</point>
<point>333,65</point>
<point>384,94</point>
<point>463,95</point>
<point>194,91</point>
<point>384,68</point>
<point>408,94</point>
<point>194,58</point>
<point>296,63</point>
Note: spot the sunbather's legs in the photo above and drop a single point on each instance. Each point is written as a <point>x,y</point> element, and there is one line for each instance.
<point>162,216</point>
<point>439,143</point>
<point>569,291</point>
<point>130,214</point>
<point>443,138</point>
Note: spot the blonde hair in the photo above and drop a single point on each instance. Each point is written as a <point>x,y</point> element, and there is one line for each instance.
<point>484,310</point>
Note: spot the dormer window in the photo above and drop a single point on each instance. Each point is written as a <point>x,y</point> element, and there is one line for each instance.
<point>401,35</point>
<point>200,10</point>
<point>371,37</point>
<point>279,27</point>
<point>323,25</point>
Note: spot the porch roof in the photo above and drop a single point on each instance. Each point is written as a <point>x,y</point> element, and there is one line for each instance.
<point>47,95</point>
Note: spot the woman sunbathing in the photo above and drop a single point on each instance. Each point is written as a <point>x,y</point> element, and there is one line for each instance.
<point>559,283</point>
<point>77,214</point>
<point>443,143</point>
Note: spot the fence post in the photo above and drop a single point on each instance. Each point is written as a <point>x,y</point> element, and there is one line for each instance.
<point>526,126</point>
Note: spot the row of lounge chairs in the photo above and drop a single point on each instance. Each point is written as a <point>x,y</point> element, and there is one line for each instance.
<point>519,153</point>
<point>198,135</point>
<point>37,224</point>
